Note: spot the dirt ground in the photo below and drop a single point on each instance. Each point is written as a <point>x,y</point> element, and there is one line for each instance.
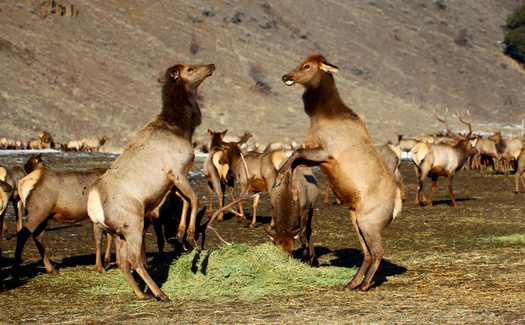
<point>443,265</point>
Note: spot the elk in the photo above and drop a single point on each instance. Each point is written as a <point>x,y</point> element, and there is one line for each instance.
<point>57,194</point>
<point>486,149</point>
<point>93,144</point>
<point>508,150</point>
<point>34,144</point>
<point>46,140</point>
<point>294,220</point>
<point>12,175</point>
<point>338,142</point>
<point>217,174</point>
<point>405,144</point>
<point>434,160</point>
<point>160,157</point>
<point>519,172</point>
<point>262,167</point>
<point>5,189</point>
<point>74,145</point>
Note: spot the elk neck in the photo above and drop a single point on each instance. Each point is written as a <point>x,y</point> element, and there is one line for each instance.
<point>180,111</point>
<point>321,99</point>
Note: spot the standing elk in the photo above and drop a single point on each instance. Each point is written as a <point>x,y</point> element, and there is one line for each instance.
<point>57,194</point>
<point>519,172</point>
<point>160,157</point>
<point>12,175</point>
<point>5,189</point>
<point>405,144</point>
<point>434,160</point>
<point>486,150</point>
<point>294,220</point>
<point>217,174</point>
<point>508,150</point>
<point>93,144</point>
<point>46,140</point>
<point>262,167</point>
<point>74,145</point>
<point>338,142</point>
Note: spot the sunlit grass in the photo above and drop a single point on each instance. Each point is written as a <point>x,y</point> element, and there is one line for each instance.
<point>510,239</point>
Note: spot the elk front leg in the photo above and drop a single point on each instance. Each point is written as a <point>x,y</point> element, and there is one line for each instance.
<point>308,157</point>
<point>255,204</point>
<point>449,183</point>
<point>432,189</point>
<point>98,233</point>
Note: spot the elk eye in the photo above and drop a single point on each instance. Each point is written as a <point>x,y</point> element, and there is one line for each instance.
<point>307,66</point>
<point>190,69</point>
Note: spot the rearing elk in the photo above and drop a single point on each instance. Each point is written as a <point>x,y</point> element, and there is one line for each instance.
<point>434,160</point>
<point>338,142</point>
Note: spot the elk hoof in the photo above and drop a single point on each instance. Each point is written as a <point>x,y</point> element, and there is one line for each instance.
<point>144,296</point>
<point>163,297</point>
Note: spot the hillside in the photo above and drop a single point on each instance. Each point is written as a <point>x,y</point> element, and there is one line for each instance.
<point>88,68</point>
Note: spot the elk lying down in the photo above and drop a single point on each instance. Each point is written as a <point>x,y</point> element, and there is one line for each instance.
<point>12,175</point>
<point>295,220</point>
<point>160,157</point>
<point>217,174</point>
<point>262,167</point>
<point>338,142</point>
<point>434,160</point>
<point>58,194</point>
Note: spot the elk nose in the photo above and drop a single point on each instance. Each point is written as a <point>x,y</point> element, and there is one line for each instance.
<point>285,78</point>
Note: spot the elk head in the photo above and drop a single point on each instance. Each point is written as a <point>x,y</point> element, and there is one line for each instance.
<point>310,71</point>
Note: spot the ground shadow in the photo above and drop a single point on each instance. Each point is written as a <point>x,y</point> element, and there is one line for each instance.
<point>353,258</point>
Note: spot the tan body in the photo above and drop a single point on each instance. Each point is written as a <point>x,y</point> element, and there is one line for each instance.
<point>12,175</point>
<point>74,145</point>
<point>338,142</point>
<point>218,175</point>
<point>93,144</point>
<point>46,140</point>
<point>160,157</point>
<point>57,194</point>
<point>262,167</point>
<point>486,149</point>
<point>520,169</point>
<point>391,156</point>
<point>508,150</point>
<point>434,160</point>
<point>292,220</point>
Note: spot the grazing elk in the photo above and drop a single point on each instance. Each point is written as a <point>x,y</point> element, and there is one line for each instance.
<point>12,175</point>
<point>338,142</point>
<point>93,144</point>
<point>217,174</point>
<point>294,220</point>
<point>159,158</point>
<point>262,167</point>
<point>434,160</point>
<point>57,194</point>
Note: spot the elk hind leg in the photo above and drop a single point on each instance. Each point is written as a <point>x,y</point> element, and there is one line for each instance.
<point>133,242</point>
<point>370,239</point>
<point>449,183</point>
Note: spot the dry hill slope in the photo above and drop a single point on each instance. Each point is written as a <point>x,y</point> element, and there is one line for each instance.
<point>93,70</point>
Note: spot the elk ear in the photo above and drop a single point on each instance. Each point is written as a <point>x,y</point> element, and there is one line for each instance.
<point>223,133</point>
<point>173,75</point>
<point>270,233</point>
<point>328,68</point>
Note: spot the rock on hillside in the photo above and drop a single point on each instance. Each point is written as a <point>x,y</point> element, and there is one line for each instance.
<point>87,68</point>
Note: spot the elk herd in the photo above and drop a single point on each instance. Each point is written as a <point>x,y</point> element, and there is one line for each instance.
<point>148,182</point>
<point>45,141</point>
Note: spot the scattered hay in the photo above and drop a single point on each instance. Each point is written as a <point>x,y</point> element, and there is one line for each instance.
<point>510,239</point>
<point>231,273</point>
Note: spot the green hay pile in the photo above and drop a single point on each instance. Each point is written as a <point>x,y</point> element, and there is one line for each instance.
<point>238,272</point>
<point>510,239</point>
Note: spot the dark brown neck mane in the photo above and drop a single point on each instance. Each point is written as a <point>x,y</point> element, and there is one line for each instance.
<point>322,99</point>
<point>180,111</point>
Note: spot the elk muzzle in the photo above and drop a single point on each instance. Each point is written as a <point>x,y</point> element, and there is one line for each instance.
<point>288,80</point>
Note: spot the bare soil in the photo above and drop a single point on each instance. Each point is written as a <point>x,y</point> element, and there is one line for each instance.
<point>443,265</point>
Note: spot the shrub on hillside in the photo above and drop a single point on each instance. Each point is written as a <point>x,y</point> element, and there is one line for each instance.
<point>515,37</point>
<point>258,75</point>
